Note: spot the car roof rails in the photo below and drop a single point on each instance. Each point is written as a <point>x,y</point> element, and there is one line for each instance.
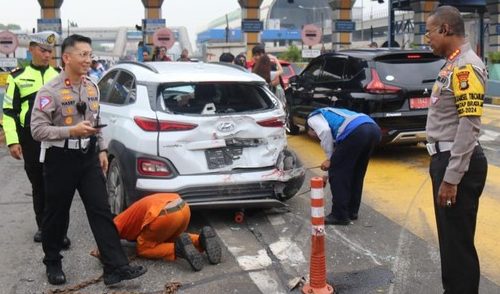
<point>147,66</point>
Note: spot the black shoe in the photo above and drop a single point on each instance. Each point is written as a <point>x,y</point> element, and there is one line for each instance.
<point>124,272</point>
<point>184,248</point>
<point>38,236</point>
<point>210,243</point>
<point>55,275</point>
<point>331,220</point>
<point>353,216</point>
<point>66,243</point>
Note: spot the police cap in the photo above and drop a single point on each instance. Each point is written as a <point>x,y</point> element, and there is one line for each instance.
<point>45,40</point>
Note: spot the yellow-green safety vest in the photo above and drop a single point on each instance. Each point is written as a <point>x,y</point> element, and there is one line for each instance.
<point>22,86</point>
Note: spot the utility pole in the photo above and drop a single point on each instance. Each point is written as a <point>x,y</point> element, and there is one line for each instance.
<point>390,25</point>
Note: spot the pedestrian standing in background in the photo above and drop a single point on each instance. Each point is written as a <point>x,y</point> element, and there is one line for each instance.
<point>226,57</point>
<point>348,140</point>
<point>65,119</point>
<point>145,55</point>
<point>161,54</point>
<point>241,60</point>
<point>458,166</point>
<point>184,55</point>
<point>23,85</point>
<point>95,73</point>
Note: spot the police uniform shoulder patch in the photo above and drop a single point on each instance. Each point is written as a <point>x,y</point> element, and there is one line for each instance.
<point>44,101</point>
<point>468,89</point>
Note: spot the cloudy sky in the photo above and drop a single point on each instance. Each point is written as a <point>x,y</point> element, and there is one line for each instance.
<point>193,14</point>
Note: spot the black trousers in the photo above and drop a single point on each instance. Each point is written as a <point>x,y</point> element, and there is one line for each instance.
<point>34,171</point>
<point>456,225</point>
<point>348,168</point>
<point>64,172</point>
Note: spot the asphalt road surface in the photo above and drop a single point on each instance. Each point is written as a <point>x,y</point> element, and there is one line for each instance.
<point>392,248</point>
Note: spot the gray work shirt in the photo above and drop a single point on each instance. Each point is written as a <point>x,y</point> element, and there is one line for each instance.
<point>456,108</point>
<point>55,111</point>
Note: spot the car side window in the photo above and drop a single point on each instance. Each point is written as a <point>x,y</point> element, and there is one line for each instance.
<point>333,69</point>
<point>313,71</point>
<point>105,86</point>
<point>354,67</point>
<point>123,88</point>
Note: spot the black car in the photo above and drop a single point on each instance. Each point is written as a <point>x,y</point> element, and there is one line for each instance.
<point>392,86</point>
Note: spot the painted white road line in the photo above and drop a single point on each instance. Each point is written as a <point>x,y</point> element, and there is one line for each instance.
<point>488,136</point>
<point>288,252</point>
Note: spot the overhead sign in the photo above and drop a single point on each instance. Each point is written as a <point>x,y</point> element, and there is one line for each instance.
<point>252,25</point>
<point>149,26</point>
<point>311,35</point>
<point>49,24</point>
<point>345,26</point>
<point>310,53</point>
<point>8,42</point>
<point>8,62</point>
<point>164,38</point>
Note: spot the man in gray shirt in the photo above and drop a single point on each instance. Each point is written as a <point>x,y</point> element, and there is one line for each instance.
<point>458,166</point>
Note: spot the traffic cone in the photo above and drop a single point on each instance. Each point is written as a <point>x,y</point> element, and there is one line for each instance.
<point>317,275</point>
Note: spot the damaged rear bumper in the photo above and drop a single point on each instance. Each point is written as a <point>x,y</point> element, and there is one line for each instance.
<point>262,188</point>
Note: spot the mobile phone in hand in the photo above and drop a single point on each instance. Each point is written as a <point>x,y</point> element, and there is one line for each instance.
<point>100,126</point>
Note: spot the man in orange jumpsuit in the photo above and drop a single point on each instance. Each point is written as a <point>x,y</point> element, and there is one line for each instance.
<point>158,223</point>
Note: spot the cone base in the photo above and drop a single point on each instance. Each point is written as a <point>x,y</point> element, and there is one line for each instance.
<point>327,289</point>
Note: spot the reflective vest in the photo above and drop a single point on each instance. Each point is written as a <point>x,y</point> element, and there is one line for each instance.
<point>22,86</point>
<point>339,120</point>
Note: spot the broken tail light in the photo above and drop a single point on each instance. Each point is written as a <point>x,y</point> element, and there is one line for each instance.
<point>272,123</point>
<point>149,167</point>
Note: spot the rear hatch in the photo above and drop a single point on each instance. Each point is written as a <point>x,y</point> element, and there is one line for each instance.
<point>219,127</point>
<point>409,78</point>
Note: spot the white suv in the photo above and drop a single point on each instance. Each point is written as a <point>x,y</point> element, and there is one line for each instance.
<point>213,133</point>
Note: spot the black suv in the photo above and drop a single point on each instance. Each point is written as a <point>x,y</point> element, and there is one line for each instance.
<point>392,86</point>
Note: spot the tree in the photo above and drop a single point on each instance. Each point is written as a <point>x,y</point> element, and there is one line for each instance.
<point>292,54</point>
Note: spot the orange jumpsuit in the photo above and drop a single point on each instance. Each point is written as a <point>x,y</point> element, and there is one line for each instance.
<point>155,230</point>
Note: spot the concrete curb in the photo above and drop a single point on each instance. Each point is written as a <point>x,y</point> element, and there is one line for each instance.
<point>492,100</point>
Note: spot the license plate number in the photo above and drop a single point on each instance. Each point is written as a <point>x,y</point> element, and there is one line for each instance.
<point>221,157</point>
<point>420,103</point>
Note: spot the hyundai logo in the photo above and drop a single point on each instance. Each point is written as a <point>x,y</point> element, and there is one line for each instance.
<point>426,92</point>
<point>225,126</point>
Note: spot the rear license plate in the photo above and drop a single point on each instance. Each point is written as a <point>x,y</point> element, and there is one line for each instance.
<point>420,103</point>
<point>221,157</point>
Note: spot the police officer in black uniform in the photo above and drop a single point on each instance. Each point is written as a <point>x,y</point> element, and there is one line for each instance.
<point>65,120</point>
<point>23,84</point>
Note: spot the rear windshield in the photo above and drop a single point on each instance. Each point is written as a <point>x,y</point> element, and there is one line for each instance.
<point>214,98</point>
<point>410,69</point>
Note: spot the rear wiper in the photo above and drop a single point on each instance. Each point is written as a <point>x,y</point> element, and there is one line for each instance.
<point>429,81</point>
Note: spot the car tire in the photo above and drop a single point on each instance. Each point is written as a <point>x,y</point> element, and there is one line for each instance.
<point>116,188</point>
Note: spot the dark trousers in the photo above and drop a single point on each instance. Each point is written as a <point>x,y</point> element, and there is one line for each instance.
<point>348,168</point>
<point>64,172</point>
<point>34,171</point>
<point>456,225</point>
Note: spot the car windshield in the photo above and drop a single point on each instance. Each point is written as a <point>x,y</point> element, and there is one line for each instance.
<point>215,98</point>
<point>409,72</point>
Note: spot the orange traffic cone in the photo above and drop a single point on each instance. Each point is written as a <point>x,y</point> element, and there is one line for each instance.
<point>317,283</point>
